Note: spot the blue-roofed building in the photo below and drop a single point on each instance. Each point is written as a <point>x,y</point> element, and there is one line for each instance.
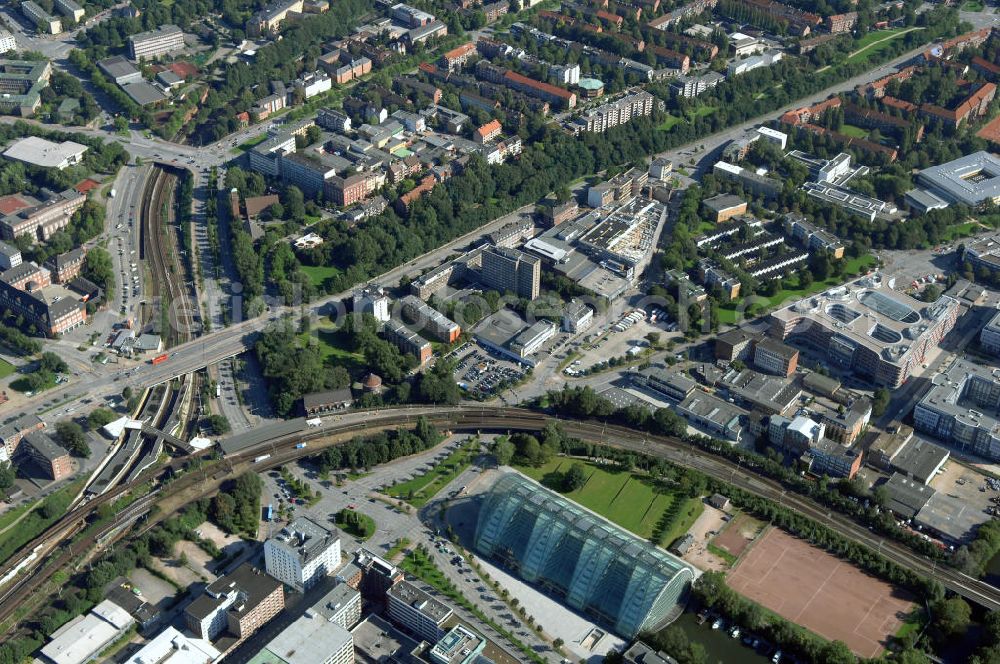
<point>591,565</point>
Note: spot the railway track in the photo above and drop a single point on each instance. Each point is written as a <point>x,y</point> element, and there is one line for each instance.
<point>282,449</point>
<point>168,274</point>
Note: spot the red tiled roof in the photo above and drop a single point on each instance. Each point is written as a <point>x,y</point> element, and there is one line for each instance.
<point>991,131</point>
<point>87,185</point>
<point>462,50</point>
<point>183,69</point>
<point>12,203</point>
<point>489,128</point>
<point>538,85</point>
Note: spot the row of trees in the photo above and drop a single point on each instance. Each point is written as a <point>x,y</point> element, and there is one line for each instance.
<point>381,448</point>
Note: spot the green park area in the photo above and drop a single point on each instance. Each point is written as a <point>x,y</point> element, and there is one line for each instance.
<point>6,368</point>
<point>854,132</point>
<point>333,344</point>
<point>255,141</point>
<point>631,500</point>
<point>875,42</point>
<point>852,266</point>
<point>319,273</point>
<point>421,489</point>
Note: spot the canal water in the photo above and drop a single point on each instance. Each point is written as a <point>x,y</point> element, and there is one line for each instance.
<point>721,648</point>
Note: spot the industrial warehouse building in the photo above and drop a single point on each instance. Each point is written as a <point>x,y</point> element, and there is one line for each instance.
<point>588,563</point>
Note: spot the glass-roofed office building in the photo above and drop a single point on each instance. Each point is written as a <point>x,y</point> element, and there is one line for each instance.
<point>591,565</point>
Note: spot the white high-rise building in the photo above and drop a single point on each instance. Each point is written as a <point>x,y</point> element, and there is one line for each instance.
<point>372,300</point>
<point>302,553</point>
<point>7,43</point>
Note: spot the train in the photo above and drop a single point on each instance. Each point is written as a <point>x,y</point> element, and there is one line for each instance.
<point>159,359</point>
<point>300,446</point>
<point>262,457</point>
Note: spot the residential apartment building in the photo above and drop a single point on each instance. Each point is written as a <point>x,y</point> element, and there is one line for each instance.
<point>164,40</point>
<point>313,83</point>
<point>52,459</point>
<point>506,269</point>
<point>70,9</point>
<point>342,605</point>
<point>692,86</point>
<point>598,120</point>
<point>306,171</point>
<point>960,408</point>
<point>456,58</point>
<point>7,42</point>
<point>550,93</point>
<point>41,18</point>
<point>577,317</point>
<point>417,612</point>
<point>50,311</point>
<point>813,237</point>
<point>238,603</point>
<point>751,182</point>
<point>67,267</point>
<point>9,256</point>
<point>13,433</point>
<point>989,337</point>
<point>407,340</point>
<point>302,554</point>
<point>671,58</point>
<point>427,318</point>
<point>268,20</point>
<point>354,188</point>
<point>735,344</point>
<point>840,23</point>
<point>372,300</point>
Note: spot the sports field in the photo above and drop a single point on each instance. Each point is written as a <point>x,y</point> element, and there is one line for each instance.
<point>821,592</point>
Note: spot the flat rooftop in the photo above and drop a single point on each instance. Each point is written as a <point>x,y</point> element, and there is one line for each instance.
<point>871,314</point>
<point>46,154</point>
<point>972,179</point>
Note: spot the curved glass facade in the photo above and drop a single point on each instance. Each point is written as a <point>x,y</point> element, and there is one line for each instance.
<point>591,565</point>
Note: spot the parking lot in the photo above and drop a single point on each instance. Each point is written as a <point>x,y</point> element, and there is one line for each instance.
<point>482,375</point>
<point>969,485</point>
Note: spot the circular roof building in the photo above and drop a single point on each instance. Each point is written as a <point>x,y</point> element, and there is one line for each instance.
<point>372,383</point>
<point>591,87</point>
<point>590,564</point>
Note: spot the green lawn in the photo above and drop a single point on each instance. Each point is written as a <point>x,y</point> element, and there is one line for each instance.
<point>856,132</point>
<point>627,499</point>
<point>951,233</point>
<point>870,44</point>
<point>669,123</point>
<point>356,524</point>
<point>319,273</point>
<point>333,348</point>
<point>419,491</point>
<point>728,313</point>
<point>36,521</point>
<point>257,140</point>
<point>851,267</point>
<point>6,368</point>
<point>702,111</point>
<point>973,6</point>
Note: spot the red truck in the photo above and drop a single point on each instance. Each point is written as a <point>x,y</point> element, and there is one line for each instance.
<point>159,359</point>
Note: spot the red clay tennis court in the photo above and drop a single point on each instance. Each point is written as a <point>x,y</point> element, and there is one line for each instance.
<point>821,592</point>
